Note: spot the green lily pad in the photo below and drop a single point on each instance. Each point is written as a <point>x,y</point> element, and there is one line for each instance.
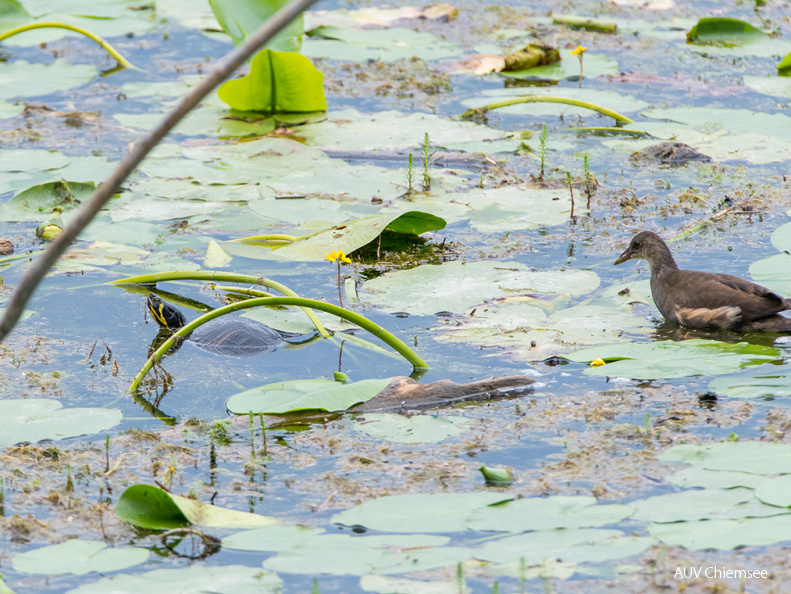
<point>774,273</point>
<point>519,207</point>
<point>225,579</point>
<point>661,360</point>
<point>724,31</point>
<point>13,14</point>
<point>706,504</point>
<point>78,557</point>
<point>240,18</point>
<point>755,457</point>
<point>569,67</point>
<point>619,102</point>
<point>269,538</point>
<point>766,382</point>
<point>386,45</point>
<point>312,394</point>
<point>23,79</point>
<point>150,507</point>
<point>38,202</point>
<point>414,429</point>
<point>724,534</point>
<point>435,512</point>
<point>36,419</point>
<point>428,289</point>
<point>716,479</point>
<point>31,160</point>
<point>546,513</point>
<point>9,110</point>
<point>277,82</point>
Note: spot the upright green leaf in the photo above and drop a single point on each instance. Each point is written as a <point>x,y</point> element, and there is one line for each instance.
<point>239,18</point>
<point>724,31</point>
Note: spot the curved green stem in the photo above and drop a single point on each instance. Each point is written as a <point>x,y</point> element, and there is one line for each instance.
<point>542,99</point>
<point>212,275</point>
<point>272,237</point>
<point>393,341</point>
<point>108,48</point>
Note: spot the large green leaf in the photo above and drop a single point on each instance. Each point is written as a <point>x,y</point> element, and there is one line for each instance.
<point>22,79</point>
<point>277,82</point>
<point>12,14</point>
<point>34,419</point>
<point>414,429</point>
<point>269,538</point>
<point>311,394</point>
<point>765,382</point>
<point>658,360</point>
<point>240,18</point>
<point>151,507</point>
<point>724,31</point>
<point>784,67</point>
<point>724,534</point>
<point>37,203</point>
<point>755,457</point>
<point>387,45</point>
<point>79,557</point>
<point>706,504</point>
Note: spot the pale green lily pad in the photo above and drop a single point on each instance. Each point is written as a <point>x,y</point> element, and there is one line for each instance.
<point>292,319</point>
<point>36,419</point>
<point>435,512</point>
<point>769,85</point>
<point>385,584</point>
<point>662,360</point>
<point>269,538</point>
<point>781,238</point>
<point>519,207</point>
<point>37,203</point>
<point>414,429</point>
<point>776,491</point>
<point>428,289</point>
<point>716,479</point>
<point>618,102</point>
<point>311,394</point>
<point>774,273</point>
<point>240,19</point>
<point>155,209</point>
<point>546,513</point>
<point>755,457</point>
<point>766,382</point>
<point>225,579</point>
<point>215,256</point>
<point>78,557</point>
<point>387,45</point>
<point>187,190</point>
<point>100,253</point>
<point>31,160</point>
<point>351,130</point>
<point>568,67</point>
<point>9,110</point>
<point>23,79</point>
<point>706,504</point>
<point>735,121</point>
<point>724,534</point>
<point>342,554</point>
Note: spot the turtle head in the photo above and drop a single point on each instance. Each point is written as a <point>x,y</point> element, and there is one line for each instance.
<point>165,314</point>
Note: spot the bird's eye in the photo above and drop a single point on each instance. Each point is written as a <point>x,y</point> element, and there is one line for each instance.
<point>636,244</point>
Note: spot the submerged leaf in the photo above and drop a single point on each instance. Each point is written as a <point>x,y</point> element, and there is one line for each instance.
<point>79,557</point>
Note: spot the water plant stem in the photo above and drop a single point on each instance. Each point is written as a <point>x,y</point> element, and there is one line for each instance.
<point>107,47</point>
<point>142,147</point>
<point>390,339</point>
<point>542,142</point>
<point>340,293</point>
<point>571,191</point>
<point>478,111</point>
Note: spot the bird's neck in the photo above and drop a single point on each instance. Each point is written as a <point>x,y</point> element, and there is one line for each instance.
<point>662,261</point>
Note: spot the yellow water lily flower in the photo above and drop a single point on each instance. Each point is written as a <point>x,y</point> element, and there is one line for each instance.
<point>597,363</point>
<point>579,50</point>
<point>338,255</point>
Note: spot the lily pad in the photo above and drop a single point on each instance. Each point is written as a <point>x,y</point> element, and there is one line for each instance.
<point>774,273</point>
<point>312,394</point>
<point>150,507</point>
<point>386,45</point>
<point>38,202</point>
<point>240,18</point>
<point>277,82</point>
<point>428,289</point>
<point>23,79</point>
<point>594,65</point>
<point>716,479</point>
<point>518,207</point>
<point>724,534</point>
<point>724,31</point>
<point>31,160</point>
<point>776,491</point>
<point>755,457</point>
<point>662,360</point>
<point>78,557</point>
<point>269,538</point>
<point>435,512</point>
<point>706,504</point>
<point>414,429</point>
<point>766,382</point>
<point>36,419</point>
<point>225,579</point>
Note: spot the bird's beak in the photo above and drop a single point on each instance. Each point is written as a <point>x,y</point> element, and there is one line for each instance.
<point>627,255</point>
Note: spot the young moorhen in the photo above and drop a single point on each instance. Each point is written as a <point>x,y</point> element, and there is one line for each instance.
<point>703,299</point>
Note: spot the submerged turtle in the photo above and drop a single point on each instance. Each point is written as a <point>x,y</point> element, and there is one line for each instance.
<point>226,335</point>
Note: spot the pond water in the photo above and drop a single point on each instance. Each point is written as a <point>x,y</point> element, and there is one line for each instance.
<point>513,285</point>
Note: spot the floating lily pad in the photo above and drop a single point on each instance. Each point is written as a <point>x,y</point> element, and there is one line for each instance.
<point>774,273</point>
<point>277,82</point>
<point>724,534</point>
<point>661,360</point>
<point>414,429</point>
<point>755,457</point>
<point>269,538</point>
<point>546,513</point>
<point>35,419</point>
<point>716,479</point>
<point>312,394</point>
<point>428,289</point>
<point>765,382</point>
<point>150,507</point>
<point>435,512</point>
<point>31,160</point>
<point>37,203</point>
<point>23,79</point>
<point>240,18</point>
<point>387,45</point>
<point>569,67</point>
<point>225,579</point>
<point>724,31</point>
<point>619,102</point>
<point>706,504</point>
<point>516,208</point>
<point>78,557</point>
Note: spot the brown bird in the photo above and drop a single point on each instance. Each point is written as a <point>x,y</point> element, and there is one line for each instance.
<point>706,300</point>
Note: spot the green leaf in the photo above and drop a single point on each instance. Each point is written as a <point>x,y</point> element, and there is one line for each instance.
<point>594,65</point>
<point>716,479</point>
<point>501,477</point>
<point>36,203</point>
<point>34,419</point>
<point>776,491</point>
<point>434,512</point>
<point>661,360</point>
<point>240,18</point>
<point>225,579</point>
<point>277,82</point>
<point>387,45</point>
<point>755,457</point>
<point>414,429</point>
<point>269,538</point>
<point>766,382</point>
<point>724,31</point>
<point>150,507</point>
<point>784,67</point>
<point>724,534</point>
<point>31,160</point>
<point>312,394</point>
<point>23,79</point>
<point>706,504</point>
<point>78,557</point>
<point>774,273</point>
<point>12,14</point>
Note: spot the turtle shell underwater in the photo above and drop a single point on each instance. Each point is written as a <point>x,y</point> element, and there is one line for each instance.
<point>227,335</point>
